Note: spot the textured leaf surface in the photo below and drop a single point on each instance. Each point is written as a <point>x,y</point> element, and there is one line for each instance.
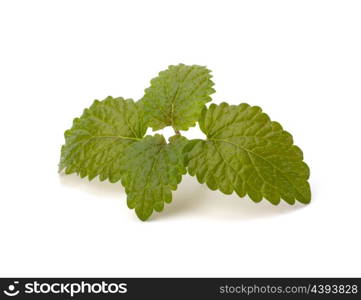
<point>247,153</point>
<point>96,142</point>
<point>151,169</point>
<point>176,97</point>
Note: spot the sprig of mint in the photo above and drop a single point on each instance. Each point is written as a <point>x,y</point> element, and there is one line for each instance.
<point>244,152</point>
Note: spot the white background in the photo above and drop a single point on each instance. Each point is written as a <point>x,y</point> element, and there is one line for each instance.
<point>299,60</point>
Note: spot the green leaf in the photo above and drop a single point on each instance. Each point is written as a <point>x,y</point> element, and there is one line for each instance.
<point>247,153</point>
<point>151,169</point>
<point>176,97</point>
<point>97,140</point>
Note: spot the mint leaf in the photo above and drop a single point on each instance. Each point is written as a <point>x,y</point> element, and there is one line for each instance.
<point>176,97</point>
<point>244,151</point>
<point>151,169</point>
<point>96,142</point>
<point>247,153</point>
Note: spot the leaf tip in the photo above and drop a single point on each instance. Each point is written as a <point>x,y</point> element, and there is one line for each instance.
<point>142,216</point>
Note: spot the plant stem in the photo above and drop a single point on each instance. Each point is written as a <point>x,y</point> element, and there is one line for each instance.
<point>177,132</point>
